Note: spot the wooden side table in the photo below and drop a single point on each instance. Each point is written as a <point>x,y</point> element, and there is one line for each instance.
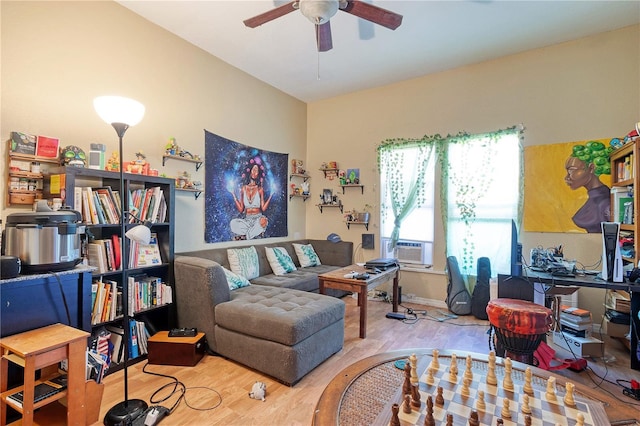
<point>35,350</point>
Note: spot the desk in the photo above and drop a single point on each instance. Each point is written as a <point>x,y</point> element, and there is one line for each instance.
<point>336,280</point>
<point>592,281</point>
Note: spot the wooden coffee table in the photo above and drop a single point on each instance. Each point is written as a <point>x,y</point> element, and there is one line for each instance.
<point>336,280</point>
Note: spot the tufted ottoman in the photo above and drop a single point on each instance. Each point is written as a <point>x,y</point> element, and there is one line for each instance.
<point>285,333</point>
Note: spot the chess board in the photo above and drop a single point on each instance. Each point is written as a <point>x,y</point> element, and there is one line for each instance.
<point>543,412</point>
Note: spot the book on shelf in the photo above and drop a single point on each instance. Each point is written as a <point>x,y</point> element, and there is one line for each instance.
<point>578,312</point>
<point>97,256</point>
<point>41,391</point>
<point>145,254</point>
<point>117,340</point>
<point>97,365</point>
<point>575,320</point>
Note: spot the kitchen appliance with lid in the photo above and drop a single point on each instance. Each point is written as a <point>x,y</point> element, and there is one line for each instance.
<point>44,240</point>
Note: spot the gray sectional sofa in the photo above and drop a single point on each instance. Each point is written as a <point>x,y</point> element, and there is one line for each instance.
<point>278,325</point>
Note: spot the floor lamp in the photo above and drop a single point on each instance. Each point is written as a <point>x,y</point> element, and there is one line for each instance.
<point>122,113</point>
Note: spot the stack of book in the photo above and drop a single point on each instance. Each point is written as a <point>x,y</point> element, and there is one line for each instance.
<point>576,321</point>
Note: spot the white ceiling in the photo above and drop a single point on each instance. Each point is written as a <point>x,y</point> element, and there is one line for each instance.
<point>434,36</point>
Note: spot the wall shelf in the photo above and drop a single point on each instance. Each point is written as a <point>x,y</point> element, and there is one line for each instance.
<point>355,222</point>
<point>198,163</point>
<point>321,206</point>
<point>196,192</point>
<point>352,185</point>
<point>330,172</point>
<point>304,197</point>
<point>304,177</point>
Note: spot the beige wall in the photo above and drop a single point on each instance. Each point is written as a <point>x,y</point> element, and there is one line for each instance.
<point>58,56</point>
<point>588,88</point>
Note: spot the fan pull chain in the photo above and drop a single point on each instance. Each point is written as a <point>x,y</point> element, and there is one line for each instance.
<point>318,70</point>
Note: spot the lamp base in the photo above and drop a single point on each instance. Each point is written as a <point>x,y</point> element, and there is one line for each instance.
<point>125,412</point>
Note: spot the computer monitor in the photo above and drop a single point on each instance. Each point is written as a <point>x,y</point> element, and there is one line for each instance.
<point>516,252</point>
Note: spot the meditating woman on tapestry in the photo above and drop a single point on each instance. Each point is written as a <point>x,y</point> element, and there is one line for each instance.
<point>251,202</point>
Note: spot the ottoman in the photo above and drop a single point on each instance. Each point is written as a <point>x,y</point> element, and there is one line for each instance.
<point>285,333</point>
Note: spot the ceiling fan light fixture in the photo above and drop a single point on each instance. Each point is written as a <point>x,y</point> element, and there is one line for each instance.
<point>318,11</point>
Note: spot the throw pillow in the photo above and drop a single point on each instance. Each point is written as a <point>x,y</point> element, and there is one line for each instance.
<point>280,261</point>
<point>244,262</point>
<point>235,281</point>
<point>306,255</point>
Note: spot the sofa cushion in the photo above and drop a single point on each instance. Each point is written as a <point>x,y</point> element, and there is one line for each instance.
<point>235,281</point>
<point>280,261</point>
<point>281,315</point>
<point>306,255</point>
<point>244,261</point>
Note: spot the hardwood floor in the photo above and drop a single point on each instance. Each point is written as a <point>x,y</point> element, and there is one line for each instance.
<point>217,389</point>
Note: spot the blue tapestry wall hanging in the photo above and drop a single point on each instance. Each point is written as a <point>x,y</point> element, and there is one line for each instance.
<point>245,191</point>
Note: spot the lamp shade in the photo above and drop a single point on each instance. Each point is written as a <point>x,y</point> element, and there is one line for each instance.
<point>140,234</point>
<point>318,11</point>
<point>116,109</point>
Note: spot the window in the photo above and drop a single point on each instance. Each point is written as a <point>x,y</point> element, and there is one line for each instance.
<point>481,192</point>
<point>482,185</point>
<point>402,167</point>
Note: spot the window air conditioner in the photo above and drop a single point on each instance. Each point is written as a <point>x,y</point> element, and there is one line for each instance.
<point>406,251</point>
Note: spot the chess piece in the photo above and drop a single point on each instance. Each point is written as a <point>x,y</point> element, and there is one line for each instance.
<point>434,360</point>
<point>568,397</point>
<point>439,397</point>
<point>473,418</point>
<point>453,367</point>
<point>429,420</point>
<point>480,404</point>
<point>499,422</point>
<point>528,389</point>
<point>450,419</point>
<point>507,382</point>
<point>526,408</point>
<point>468,373</point>
<point>406,386</point>
<point>395,420</point>
<point>580,419</point>
<point>429,379</point>
<point>415,396</point>
<point>527,420</point>
<point>413,361</point>
<point>464,390</point>
<point>453,378</point>
<point>491,370</point>
<point>551,389</point>
<point>406,407</point>
<point>506,413</point>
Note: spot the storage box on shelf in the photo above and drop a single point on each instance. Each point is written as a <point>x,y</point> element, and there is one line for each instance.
<point>148,272</point>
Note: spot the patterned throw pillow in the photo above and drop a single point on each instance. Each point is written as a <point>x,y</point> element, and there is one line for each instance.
<point>306,255</point>
<point>234,280</point>
<point>280,261</point>
<point>244,262</point>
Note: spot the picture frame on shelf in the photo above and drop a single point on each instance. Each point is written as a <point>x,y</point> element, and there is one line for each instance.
<point>327,196</point>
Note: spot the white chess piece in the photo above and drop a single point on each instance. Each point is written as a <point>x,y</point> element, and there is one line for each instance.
<point>429,379</point>
<point>526,408</point>
<point>453,367</point>
<point>568,397</point>
<point>491,369</point>
<point>580,419</point>
<point>506,413</point>
<point>551,389</point>
<point>434,360</point>
<point>507,382</point>
<point>413,360</point>
<point>464,390</point>
<point>528,389</point>
<point>468,373</point>
<point>480,404</point>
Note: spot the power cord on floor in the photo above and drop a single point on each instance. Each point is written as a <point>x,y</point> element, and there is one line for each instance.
<point>177,387</point>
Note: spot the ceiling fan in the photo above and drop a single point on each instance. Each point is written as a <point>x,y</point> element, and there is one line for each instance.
<point>320,11</point>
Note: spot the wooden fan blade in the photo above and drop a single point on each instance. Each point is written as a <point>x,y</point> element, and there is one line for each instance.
<point>374,14</point>
<point>323,37</point>
<point>270,15</point>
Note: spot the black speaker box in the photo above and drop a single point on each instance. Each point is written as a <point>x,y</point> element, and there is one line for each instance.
<point>9,267</point>
<point>368,242</point>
